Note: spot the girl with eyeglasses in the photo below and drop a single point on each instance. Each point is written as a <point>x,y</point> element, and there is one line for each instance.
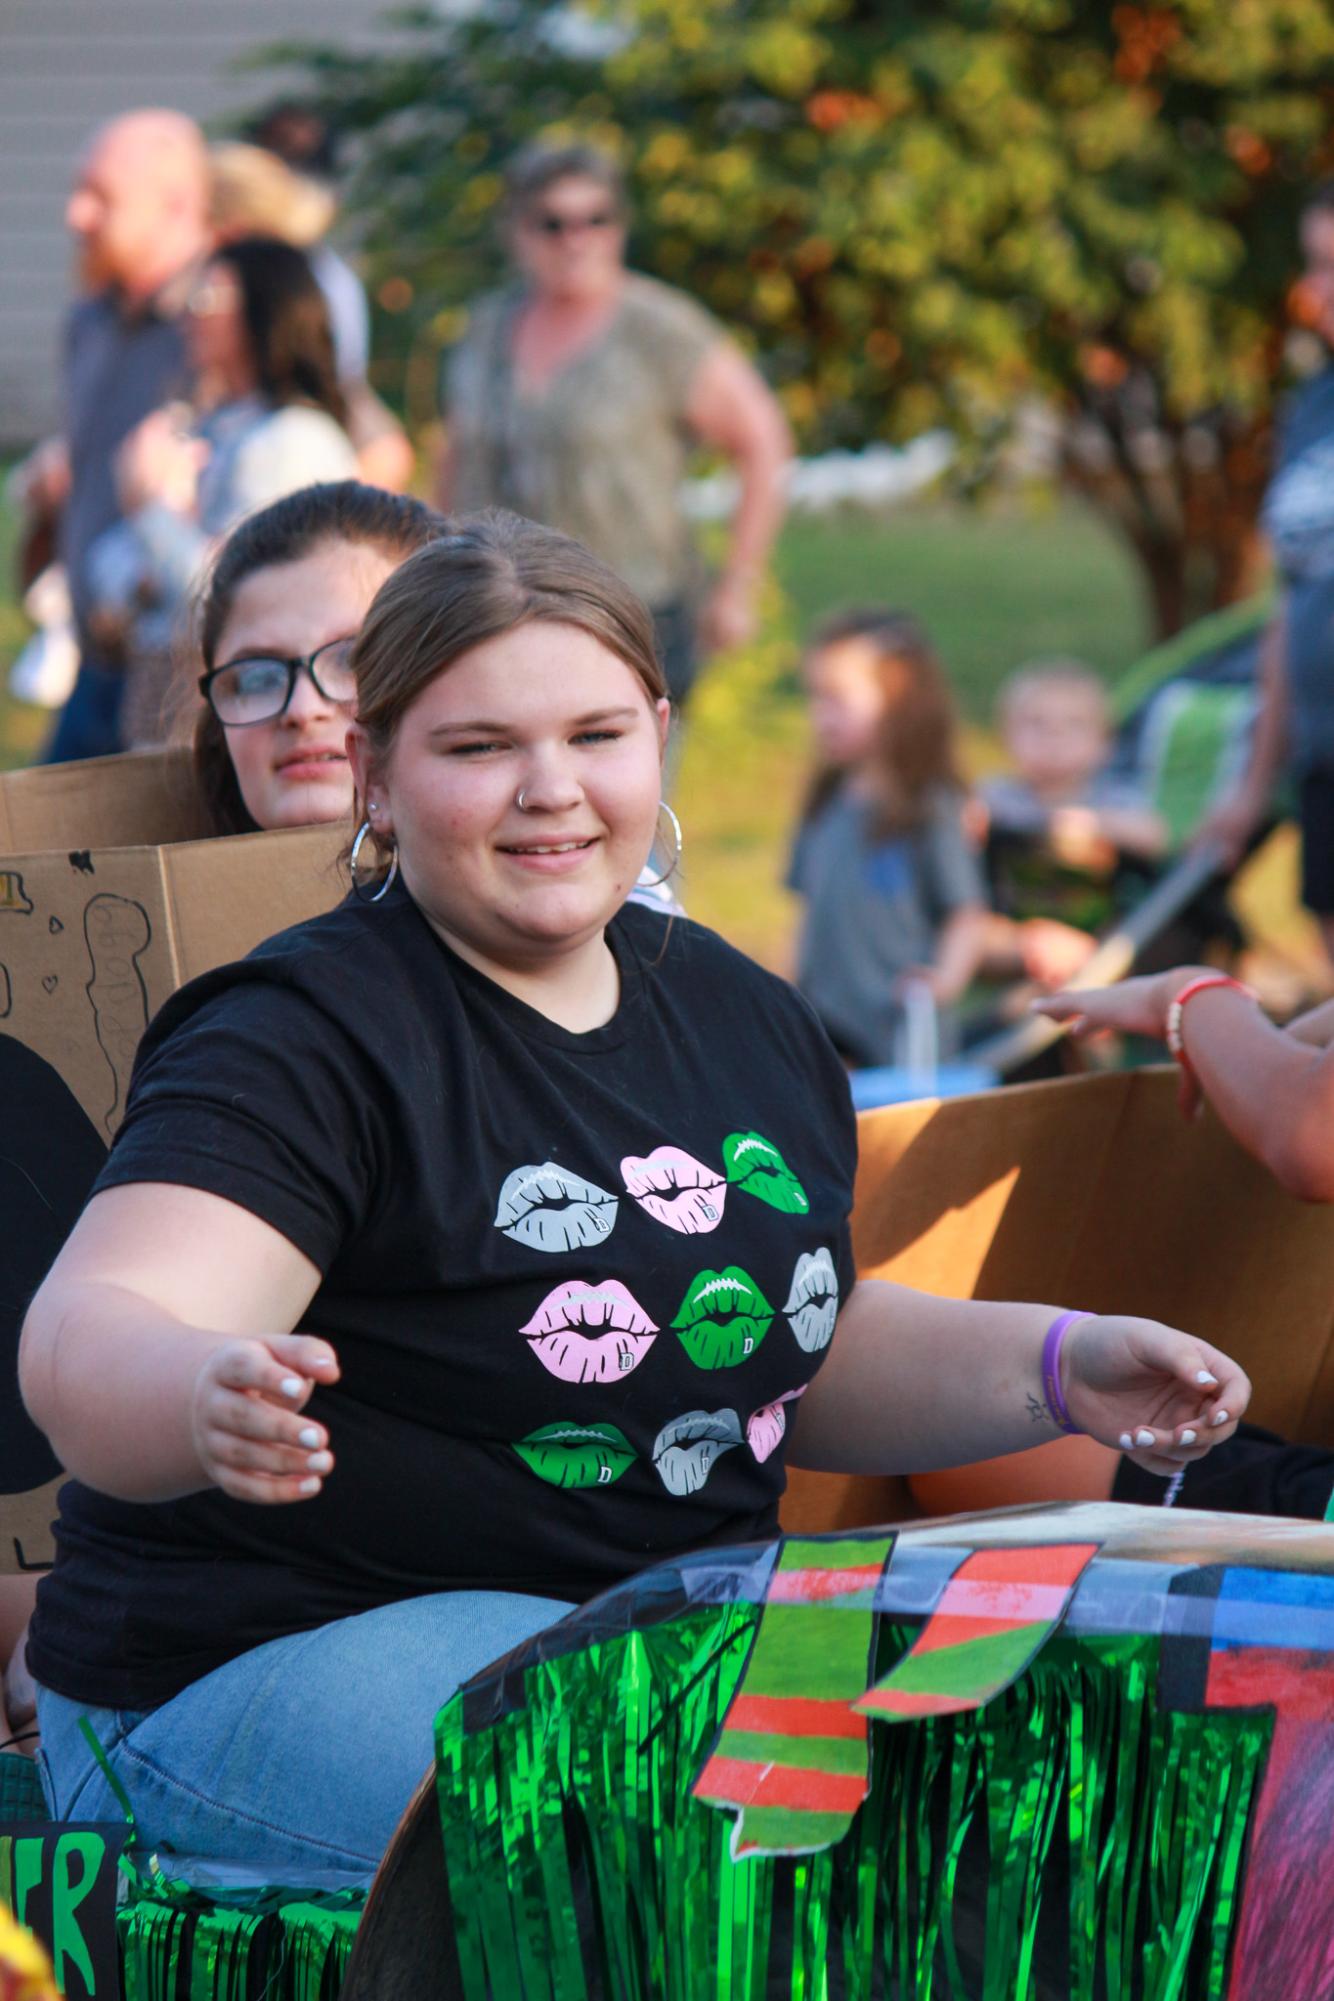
<point>275,629</point>
<point>468,1249</point>
<point>578,393</point>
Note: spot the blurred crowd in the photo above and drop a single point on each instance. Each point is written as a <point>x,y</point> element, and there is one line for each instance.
<point>217,359</point>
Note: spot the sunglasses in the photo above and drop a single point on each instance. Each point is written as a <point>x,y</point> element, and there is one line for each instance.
<point>259,687</point>
<point>547,223</point>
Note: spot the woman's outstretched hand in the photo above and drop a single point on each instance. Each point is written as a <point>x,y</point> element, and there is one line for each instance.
<point>246,1420</point>
<point>1135,1007</point>
<point>1162,1396</point>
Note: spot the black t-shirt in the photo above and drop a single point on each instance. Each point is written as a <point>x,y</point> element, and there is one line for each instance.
<point>573,1281</point>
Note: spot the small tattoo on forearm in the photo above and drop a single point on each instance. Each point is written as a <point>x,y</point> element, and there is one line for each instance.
<point>1037,1410</point>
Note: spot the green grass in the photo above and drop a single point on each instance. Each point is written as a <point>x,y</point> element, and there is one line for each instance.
<point>993,586</point>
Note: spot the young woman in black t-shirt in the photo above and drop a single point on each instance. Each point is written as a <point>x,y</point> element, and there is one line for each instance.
<point>558,1196</point>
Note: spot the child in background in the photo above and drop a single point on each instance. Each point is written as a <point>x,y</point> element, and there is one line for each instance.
<point>1056,725</point>
<point>892,887</point>
<point>1064,836</point>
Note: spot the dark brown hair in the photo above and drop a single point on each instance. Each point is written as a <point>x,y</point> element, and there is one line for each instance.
<point>296,526</point>
<point>916,752</point>
<point>491,573</point>
<point>287,323</point>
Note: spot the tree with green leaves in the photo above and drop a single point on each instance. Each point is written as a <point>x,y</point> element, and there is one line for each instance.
<point>914,212</point>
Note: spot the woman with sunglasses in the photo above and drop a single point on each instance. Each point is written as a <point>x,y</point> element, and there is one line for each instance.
<point>261,348</point>
<point>469,1248</point>
<point>578,393</point>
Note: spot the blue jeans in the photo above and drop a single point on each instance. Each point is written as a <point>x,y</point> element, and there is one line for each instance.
<point>89,723</point>
<point>297,1759</point>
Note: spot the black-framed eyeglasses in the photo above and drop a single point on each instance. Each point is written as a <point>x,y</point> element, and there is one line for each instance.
<point>548,223</point>
<point>258,687</point>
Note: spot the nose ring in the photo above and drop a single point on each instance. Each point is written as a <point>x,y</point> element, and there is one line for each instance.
<point>522,801</point>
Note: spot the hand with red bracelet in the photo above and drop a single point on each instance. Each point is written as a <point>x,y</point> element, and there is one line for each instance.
<point>1153,1006</point>
<point>1132,1007</point>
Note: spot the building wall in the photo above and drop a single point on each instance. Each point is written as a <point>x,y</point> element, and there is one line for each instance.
<point>65,67</point>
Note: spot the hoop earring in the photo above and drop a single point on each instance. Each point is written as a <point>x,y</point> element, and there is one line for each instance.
<point>386,885</point>
<point>652,881</point>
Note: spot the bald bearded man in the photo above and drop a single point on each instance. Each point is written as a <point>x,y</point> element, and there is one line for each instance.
<point>139,213</point>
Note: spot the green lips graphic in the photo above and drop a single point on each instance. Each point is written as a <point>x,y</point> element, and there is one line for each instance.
<point>576,1455</point>
<point>758,1168</point>
<point>723,1318</point>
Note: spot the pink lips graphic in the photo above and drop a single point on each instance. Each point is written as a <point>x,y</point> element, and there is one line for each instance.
<point>676,1189</point>
<point>590,1333</point>
<point>765,1426</point>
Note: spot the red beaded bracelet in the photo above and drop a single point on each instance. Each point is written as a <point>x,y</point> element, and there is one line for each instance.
<point>1177,1005</point>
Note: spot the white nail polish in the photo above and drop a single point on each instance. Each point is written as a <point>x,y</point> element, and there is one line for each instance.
<point>309,1487</point>
<point>309,1436</point>
<point>1126,1441</point>
<point>291,1386</point>
<point>320,1462</point>
<point>1188,1438</point>
<point>1143,1437</point>
<point>1203,1376</point>
<point>1219,1417</point>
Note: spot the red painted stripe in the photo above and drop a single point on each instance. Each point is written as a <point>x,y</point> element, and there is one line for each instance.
<point>738,1782</point>
<point>915,1702</point>
<point>1298,1685</point>
<point>795,1716</point>
<point>1020,1563</point>
<point>944,1631</point>
<point>801,1587</point>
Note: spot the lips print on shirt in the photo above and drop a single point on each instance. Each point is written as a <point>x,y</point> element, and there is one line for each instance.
<point>684,1450</point>
<point>590,1333</point>
<point>576,1455</point>
<point>723,1318</point>
<point>766,1426</point>
<point>550,1209</point>
<point>676,1189</point>
<point>812,1304</point>
<point>758,1168</point>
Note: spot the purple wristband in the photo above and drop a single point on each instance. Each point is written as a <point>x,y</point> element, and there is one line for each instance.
<point>1052,1394</point>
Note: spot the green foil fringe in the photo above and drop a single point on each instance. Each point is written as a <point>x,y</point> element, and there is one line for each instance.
<point>179,1945</point>
<point>1070,1839</point>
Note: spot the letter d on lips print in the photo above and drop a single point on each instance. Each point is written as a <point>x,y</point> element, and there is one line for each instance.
<point>549,1208</point>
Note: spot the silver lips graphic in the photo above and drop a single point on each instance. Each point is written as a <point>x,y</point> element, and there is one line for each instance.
<point>550,1209</point>
<point>812,1304</point>
<point>685,1449</point>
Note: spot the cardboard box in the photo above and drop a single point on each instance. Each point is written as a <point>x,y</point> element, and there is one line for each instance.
<point>1095,1193</point>
<point>111,897</point>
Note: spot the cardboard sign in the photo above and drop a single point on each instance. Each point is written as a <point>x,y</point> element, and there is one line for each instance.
<point>61,1882</point>
<point>110,900</point>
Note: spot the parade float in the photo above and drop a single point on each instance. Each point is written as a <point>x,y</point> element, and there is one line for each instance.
<point>1063,1749</point>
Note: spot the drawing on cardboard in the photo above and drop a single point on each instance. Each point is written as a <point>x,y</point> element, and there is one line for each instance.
<point>55,927</point>
<point>117,931</point>
<point>6,993</point>
<point>81,860</point>
<point>13,896</point>
<point>50,981</point>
